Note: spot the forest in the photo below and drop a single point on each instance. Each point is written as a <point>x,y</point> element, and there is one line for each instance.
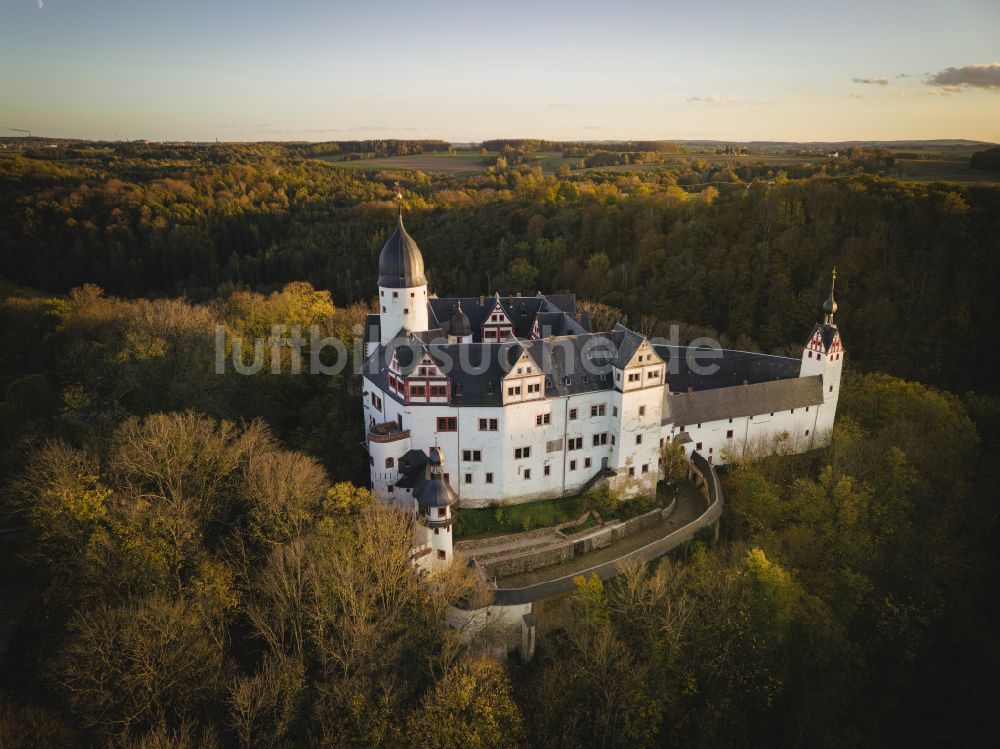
<point>200,564</point>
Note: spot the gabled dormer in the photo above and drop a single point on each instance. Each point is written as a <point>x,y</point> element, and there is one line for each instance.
<point>497,325</point>
<point>424,381</point>
<point>637,365</point>
<point>525,381</point>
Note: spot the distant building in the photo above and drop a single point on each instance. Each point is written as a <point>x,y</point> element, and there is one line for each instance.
<point>474,401</point>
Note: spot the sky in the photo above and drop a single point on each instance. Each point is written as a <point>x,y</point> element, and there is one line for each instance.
<point>471,70</point>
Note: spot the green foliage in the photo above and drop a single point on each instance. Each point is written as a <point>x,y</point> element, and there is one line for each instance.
<point>471,706</point>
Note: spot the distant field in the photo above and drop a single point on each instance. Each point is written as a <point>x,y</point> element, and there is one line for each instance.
<point>468,163</point>
<point>926,170</point>
<point>461,164</point>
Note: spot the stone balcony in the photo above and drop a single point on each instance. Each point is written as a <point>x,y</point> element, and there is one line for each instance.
<point>387,432</point>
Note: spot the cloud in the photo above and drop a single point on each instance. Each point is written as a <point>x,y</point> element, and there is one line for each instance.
<point>970,76</point>
<point>878,80</point>
<point>712,100</point>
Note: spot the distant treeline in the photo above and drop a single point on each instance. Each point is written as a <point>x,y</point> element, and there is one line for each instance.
<point>919,264</point>
<point>988,160</point>
<point>581,147</point>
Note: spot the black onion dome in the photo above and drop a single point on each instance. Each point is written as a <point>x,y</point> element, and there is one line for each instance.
<point>435,492</point>
<point>460,324</point>
<point>830,305</point>
<point>400,264</point>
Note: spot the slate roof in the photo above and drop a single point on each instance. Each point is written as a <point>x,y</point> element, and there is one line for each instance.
<point>722,367</point>
<point>743,400</point>
<point>572,364</point>
<point>400,264</point>
<point>522,311</point>
<point>827,333</point>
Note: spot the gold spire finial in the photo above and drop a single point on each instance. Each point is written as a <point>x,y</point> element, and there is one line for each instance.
<point>399,200</point>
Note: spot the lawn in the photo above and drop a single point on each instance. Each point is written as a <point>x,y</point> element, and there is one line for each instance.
<point>502,519</point>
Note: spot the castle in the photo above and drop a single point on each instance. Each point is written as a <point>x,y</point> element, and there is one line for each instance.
<point>476,401</point>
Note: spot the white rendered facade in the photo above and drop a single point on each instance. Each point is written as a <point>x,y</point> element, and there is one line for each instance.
<point>529,426</point>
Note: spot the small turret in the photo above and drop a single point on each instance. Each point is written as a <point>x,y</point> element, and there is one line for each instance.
<point>830,305</point>
<point>460,327</point>
<point>434,501</point>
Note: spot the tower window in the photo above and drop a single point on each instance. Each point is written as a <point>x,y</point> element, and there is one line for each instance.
<point>395,295</point>
<point>406,311</point>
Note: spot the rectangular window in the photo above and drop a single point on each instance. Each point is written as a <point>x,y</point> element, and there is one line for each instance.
<point>586,462</point>
<point>614,410</point>
<point>597,410</point>
<point>600,439</point>
<point>645,467</point>
<point>638,439</point>
<point>468,478</point>
<point>697,446</point>
<point>729,434</point>
<point>417,391</point>
<point>807,432</point>
<point>493,425</point>
<point>447,424</point>
<point>542,419</point>
<point>489,478</point>
<point>472,455</point>
<point>642,410</point>
<point>631,471</point>
<point>650,374</point>
<point>572,413</point>
<point>546,470</point>
<point>527,474</point>
<point>522,452</point>
<point>575,443</point>
<point>572,465</point>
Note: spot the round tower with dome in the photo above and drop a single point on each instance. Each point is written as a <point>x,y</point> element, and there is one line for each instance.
<point>434,499</point>
<point>402,285</point>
